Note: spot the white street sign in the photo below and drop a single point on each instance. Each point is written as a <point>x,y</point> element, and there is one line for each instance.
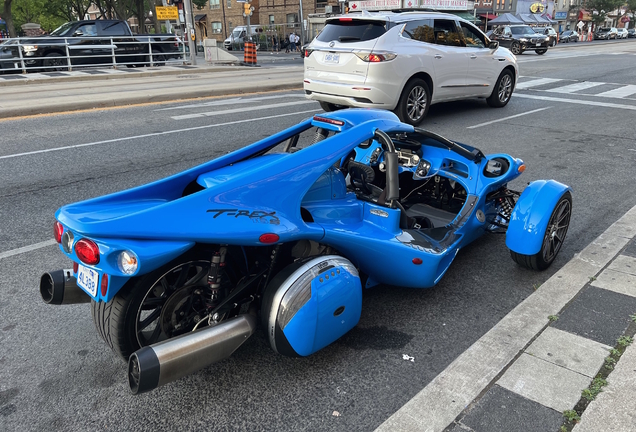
<point>374,5</point>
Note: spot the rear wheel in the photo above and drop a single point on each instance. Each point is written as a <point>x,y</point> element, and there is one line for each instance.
<point>160,305</point>
<point>158,58</point>
<point>414,102</point>
<point>552,239</point>
<point>502,92</point>
<point>329,107</point>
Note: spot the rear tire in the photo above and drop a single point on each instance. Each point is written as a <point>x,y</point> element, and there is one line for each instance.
<point>502,92</point>
<point>145,307</point>
<point>557,229</point>
<point>329,107</point>
<point>414,102</point>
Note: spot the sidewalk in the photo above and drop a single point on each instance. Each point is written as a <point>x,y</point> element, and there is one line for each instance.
<point>537,369</point>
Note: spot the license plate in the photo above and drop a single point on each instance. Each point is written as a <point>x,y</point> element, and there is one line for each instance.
<point>538,43</point>
<point>332,58</point>
<point>15,65</point>
<point>87,280</point>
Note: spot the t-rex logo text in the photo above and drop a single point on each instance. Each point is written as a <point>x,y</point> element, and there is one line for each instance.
<point>256,216</point>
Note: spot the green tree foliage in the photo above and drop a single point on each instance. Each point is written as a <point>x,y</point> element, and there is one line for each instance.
<point>602,8</point>
<point>631,8</point>
<point>200,4</point>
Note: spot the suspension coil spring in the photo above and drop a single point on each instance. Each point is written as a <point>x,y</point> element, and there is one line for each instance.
<point>506,208</point>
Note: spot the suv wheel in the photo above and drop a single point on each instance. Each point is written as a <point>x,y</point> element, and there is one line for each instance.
<point>515,48</point>
<point>329,107</point>
<point>541,51</point>
<point>503,90</point>
<point>414,102</point>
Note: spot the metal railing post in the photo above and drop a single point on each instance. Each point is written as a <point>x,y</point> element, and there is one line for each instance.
<point>21,58</point>
<point>68,55</point>
<point>150,51</point>
<point>112,50</point>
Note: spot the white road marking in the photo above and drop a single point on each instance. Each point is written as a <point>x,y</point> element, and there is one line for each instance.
<point>25,249</point>
<point>576,101</point>
<point>619,92</point>
<point>536,82</point>
<point>571,88</point>
<point>231,101</point>
<point>155,134</point>
<point>506,118</point>
<point>241,110</point>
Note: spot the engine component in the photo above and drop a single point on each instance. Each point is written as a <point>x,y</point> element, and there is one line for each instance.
<point>407,158</point>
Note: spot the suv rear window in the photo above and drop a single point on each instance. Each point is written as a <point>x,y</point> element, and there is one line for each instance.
<point>352,31</point>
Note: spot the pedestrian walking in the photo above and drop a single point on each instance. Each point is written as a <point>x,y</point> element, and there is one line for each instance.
<point>297,42</point>
<point>292,42</point>
<point>274,43</point>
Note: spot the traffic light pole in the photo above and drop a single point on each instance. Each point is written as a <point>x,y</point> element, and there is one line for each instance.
<point>187,5</point>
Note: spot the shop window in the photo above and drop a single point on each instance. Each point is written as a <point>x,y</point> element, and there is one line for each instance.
<point>214,4</point>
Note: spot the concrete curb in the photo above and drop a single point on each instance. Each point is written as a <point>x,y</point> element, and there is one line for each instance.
<point>474,371</point>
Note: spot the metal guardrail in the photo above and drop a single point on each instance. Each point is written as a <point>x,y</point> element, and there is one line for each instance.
<point>106,51</point>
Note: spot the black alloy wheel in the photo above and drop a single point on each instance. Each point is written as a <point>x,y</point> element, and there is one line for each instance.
<point>414,102</point>
<point>553,238</point>
<point>515,48</point>
<point>541,51</point>
<point>52,64</point>
<point>502,92</point>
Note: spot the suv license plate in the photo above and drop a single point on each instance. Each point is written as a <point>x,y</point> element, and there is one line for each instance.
<point>332,58</point>
<point>538,43</point>
<point>87,279</point>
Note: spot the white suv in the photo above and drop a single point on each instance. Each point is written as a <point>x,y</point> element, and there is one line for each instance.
<point>405,62</point>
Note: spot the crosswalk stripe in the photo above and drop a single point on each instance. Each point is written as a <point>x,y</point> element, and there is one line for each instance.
<point>536,82</point>
<point>571,88</point>
<point>619,92</point>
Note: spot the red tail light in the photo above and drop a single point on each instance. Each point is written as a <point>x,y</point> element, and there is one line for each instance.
<point>87,251</point>
<point>75,267</point>
<point>308,52</point>
<point>268,238</point>
<point>328,120</point>
<point>57,231</point>
<point>376,57</point>
<point>104,285</point>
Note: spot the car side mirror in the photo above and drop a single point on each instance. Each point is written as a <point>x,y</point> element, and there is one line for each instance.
<point>78,33</point>
<point>493,45</point>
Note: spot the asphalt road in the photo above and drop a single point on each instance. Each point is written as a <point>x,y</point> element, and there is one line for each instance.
<point>55,372</point>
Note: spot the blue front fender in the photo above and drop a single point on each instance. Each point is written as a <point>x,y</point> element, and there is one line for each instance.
<point>531,215</point>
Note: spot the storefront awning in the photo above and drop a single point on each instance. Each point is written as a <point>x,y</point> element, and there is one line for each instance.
<point>488,16</point>
<point>467,16</point>
<point>199,18</point>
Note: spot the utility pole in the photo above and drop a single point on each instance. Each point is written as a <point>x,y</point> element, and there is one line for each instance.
<point>187,4</point>
<point>302,29</point>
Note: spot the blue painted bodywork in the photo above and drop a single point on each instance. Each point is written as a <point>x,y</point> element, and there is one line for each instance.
<point>245,194</point>
<point>531,215</point>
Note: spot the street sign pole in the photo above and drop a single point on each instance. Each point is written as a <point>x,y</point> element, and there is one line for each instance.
<point>249,29</point>
<point>302,30</point>
<point>168,24</point>
<point>187,4</point>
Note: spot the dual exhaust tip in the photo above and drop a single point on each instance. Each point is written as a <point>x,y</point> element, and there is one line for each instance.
<point>155,365</point>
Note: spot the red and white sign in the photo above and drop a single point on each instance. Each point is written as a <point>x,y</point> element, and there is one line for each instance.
<point>375,5</point>
<point>445,4</point>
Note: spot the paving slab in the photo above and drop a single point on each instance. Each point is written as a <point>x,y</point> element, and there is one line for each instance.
<point>570,351</point>
<point>604,248</point>
<point>630,249</point>
<point>616,281</point>
<point>613,408</point>
<point>501,410</point>
<point>546,383</point>
<point>598,314</point>
<point>625,264</point>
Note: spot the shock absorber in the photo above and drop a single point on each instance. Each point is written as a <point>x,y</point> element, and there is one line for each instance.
<point>506,208</point>
<point>215,273</point>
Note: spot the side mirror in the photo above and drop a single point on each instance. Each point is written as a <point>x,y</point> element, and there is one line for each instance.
<point>78,33</point>
<point>493,45</point>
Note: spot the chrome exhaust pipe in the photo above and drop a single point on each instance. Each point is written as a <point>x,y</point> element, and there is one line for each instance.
<point>60,287</point>
<point>155,365</point>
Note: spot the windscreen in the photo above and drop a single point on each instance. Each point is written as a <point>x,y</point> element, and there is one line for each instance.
<point>63,29</point>
<point>352,31</point>
<point>522,30</point>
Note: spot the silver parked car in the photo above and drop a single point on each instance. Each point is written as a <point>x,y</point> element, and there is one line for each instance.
<point>405,62</point>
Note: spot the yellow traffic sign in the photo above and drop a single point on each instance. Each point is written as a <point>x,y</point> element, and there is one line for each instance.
<point>167,12</point>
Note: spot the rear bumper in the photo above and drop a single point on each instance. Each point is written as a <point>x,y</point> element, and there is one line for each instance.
<point>351,95</point>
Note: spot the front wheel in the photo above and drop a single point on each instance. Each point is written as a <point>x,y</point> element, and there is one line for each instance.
<point>160,305</point>
<point>52,64</point>
<point>414,102</point>
<point>502,92</point>
<point>515,48</point>
<point>552,239</point>
<point>541,51</point>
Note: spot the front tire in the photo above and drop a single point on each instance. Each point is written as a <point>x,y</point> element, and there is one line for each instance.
<point>414,102</point>
<point>515,48</point>
<point>552,239</point>
<point>502,92</point>
<point>541,51</point>
<point>54,64</point>
<point>154,307</point>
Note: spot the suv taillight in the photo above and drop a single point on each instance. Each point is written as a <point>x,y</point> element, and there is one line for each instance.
<point>308,52</point>
<point>376,57</point>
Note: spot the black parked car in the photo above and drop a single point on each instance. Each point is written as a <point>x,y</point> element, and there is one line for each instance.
<point>520,38</point>
<point>549,32</point>
<point>631,33</point>
<point>569,36</point>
